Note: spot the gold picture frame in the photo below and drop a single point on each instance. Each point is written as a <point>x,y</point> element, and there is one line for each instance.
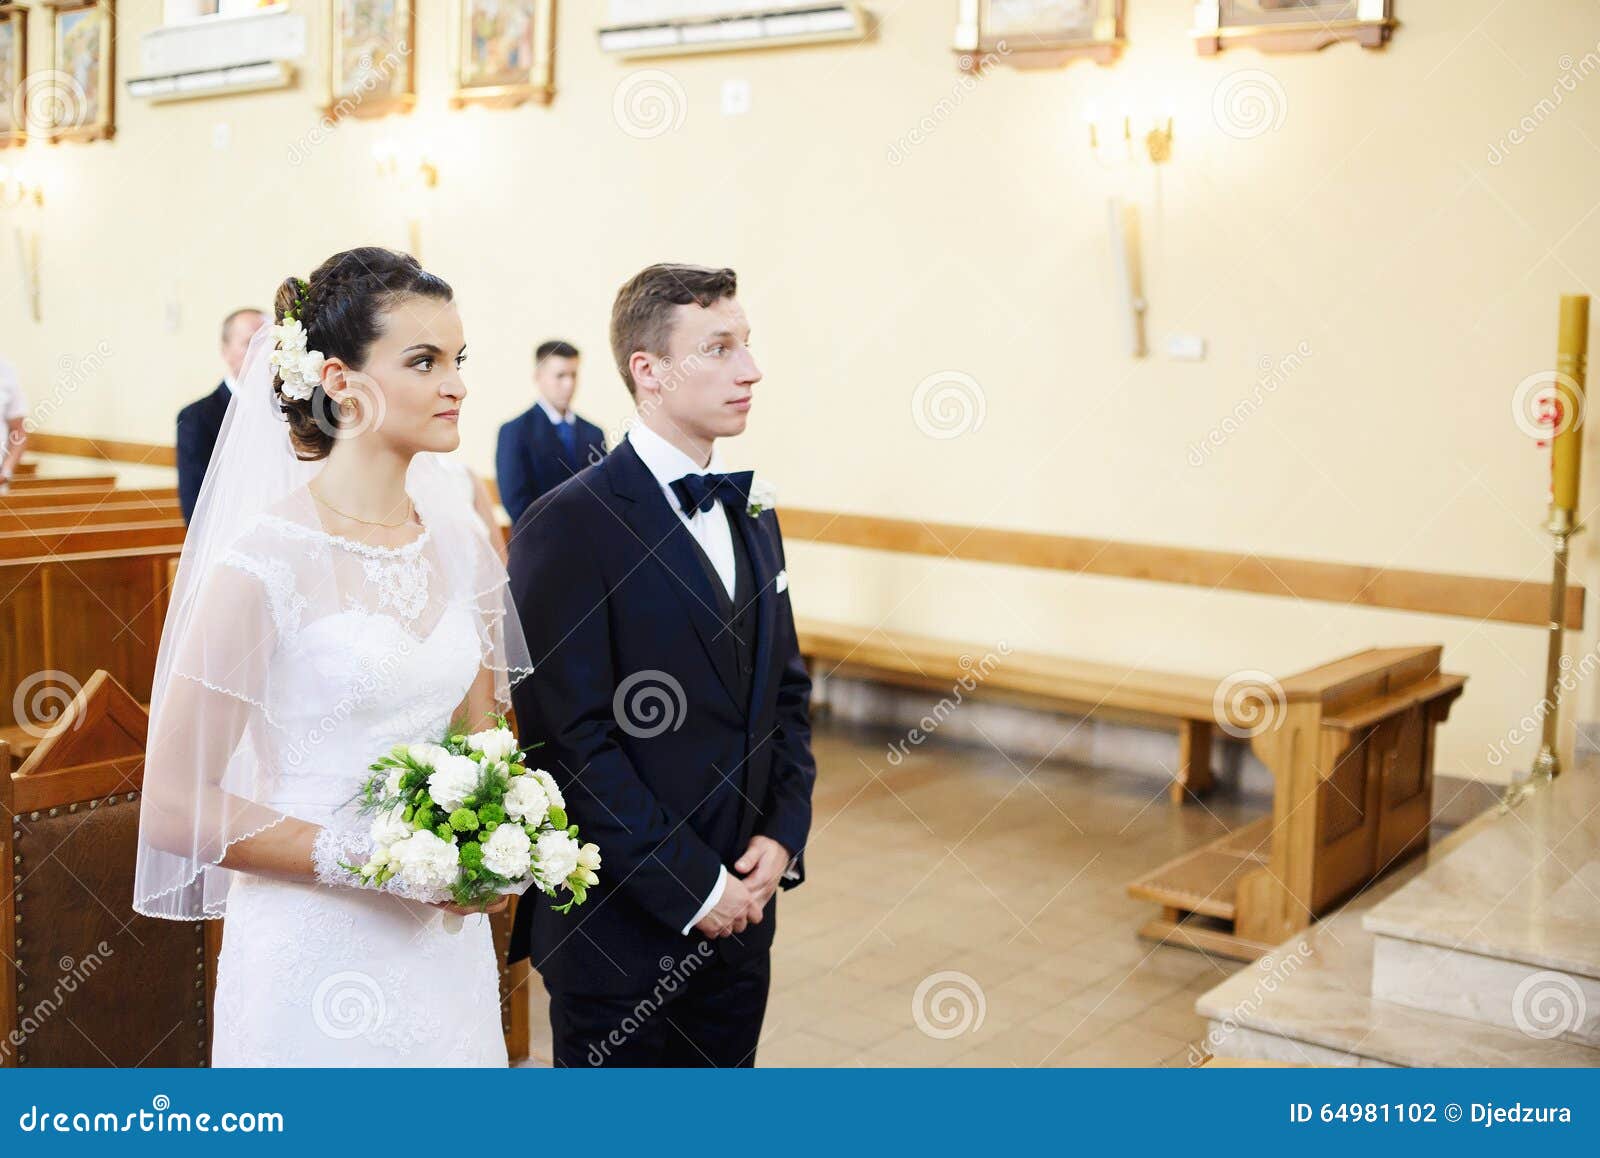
<point>78,90</point>
<point>1291,25</point>
<point>13,75</point>
<point>1038,33</point>
<point>506,53</point>
<point>372,67</point>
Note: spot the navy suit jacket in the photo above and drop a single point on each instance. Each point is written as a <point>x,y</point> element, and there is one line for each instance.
<point>199,423</point>
<point>529,460</point>
<point>615,606</point>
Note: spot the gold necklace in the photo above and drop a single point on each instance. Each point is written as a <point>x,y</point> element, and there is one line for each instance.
<point>410,510</point>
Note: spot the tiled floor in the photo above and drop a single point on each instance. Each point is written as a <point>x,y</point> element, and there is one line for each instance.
<point>996,888</point>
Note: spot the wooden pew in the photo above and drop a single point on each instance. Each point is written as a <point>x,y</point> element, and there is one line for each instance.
<point>72,540</point>
<point>936,665</point>
<point>141,989</point>
<point>88,981</point>
<point>72,614</point>
<point>98,515</point>
<point>55,497</point>
<point>1351,749</point>
<point>99,482</point>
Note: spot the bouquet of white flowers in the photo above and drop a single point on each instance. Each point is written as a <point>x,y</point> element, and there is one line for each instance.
<point>466,820</point>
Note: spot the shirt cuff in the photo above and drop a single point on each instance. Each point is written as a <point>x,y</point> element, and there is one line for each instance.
<point>711,901</point>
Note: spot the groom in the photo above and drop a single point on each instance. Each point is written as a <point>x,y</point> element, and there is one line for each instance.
<point>670,696</point>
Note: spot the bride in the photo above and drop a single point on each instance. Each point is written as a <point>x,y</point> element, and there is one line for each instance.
<point>337,595</point>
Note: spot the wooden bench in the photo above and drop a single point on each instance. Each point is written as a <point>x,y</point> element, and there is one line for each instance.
<point>1351,748</point>
<point>101,482</point>
<point>1141,696</point>
<point>100,514</point>
<point>27,500</point>
<point>78,540</point>
<point>68,615</point>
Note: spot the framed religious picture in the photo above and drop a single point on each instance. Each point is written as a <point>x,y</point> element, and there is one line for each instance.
<point>1038,33</point>
<point>13,71</point>
<point>1291,25</point>
<point>75,99</point>
<point>371,58</point>
<point>507,52</point>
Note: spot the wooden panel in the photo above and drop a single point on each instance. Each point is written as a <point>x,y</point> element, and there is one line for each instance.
<point>68,616</point>
<point>100,482</point>
<point>1429,592</point>
<point>110,449</point>
<point>28,500</point>
<point>77,540</point>
<point>99,515</point>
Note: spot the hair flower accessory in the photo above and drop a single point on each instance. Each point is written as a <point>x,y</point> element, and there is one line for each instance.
<point>299,369</point>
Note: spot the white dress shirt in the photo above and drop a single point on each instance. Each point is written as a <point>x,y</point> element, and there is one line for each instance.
<point>711,530</point>
<point>555,416</point>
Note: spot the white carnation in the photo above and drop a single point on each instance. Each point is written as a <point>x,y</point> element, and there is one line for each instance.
<point>548,783</point>
<point>454,778</point>
<point>763,494</point>
<point>425,864</point>
<point>495,744</point>
<point>526,799</point>
<point>508,851</point>
<point>558,856</point>
<point>390,826</point>
<point>426,755</point>
<point>391,783</point>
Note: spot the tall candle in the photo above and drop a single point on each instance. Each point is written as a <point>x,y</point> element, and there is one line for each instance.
<point>1572,350</point>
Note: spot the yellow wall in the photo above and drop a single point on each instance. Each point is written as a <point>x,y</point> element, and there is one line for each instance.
<point>1370,225</point>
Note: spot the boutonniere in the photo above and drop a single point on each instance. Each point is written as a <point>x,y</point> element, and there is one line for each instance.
<point>763,497</point>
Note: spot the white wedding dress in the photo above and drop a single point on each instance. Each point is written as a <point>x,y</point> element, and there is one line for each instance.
<point>319,975</point>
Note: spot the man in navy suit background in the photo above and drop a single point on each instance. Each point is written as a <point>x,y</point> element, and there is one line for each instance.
<point>200,422</point>
<point>548,443</point>
<point>671,701</point>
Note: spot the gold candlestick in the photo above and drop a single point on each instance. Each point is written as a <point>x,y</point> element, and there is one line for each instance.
<point>1566,454</point>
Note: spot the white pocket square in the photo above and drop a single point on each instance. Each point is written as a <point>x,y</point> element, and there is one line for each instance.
<point>781,584</point>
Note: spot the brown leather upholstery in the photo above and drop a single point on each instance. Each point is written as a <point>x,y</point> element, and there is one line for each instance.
<point>95,983</point>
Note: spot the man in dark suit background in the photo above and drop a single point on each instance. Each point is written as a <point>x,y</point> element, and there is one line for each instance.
<point>200,422</point>
<point>671,700</point>
<point>548,443</point>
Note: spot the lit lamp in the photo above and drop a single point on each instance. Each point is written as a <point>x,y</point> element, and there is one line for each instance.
<point>18,191</point>
<point>412,173</point>
<point>1566,454</point>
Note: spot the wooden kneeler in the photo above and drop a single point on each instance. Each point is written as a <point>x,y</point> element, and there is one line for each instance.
<point>1351,750</point>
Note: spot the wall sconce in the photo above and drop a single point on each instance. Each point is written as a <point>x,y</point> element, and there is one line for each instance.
<point>17,191</point>
<point>1111,140</point>
<point>412,172</point>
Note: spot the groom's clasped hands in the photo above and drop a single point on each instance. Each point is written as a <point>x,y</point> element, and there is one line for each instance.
<point>745,896</point>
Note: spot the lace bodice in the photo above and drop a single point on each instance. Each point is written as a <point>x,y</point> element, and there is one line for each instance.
<point>366,655</point>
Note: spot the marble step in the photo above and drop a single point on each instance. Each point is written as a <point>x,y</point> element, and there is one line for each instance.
<point>1505,930</point>
<point>1310,1001</point>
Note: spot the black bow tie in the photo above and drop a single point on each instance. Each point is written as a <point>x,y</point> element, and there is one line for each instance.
<point>697,492</point>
